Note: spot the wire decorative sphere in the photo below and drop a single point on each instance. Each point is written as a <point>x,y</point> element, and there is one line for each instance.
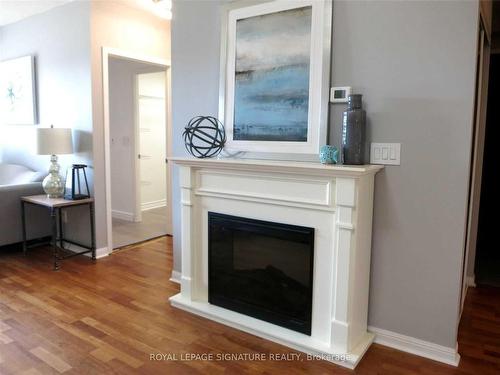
<point>204,136</point>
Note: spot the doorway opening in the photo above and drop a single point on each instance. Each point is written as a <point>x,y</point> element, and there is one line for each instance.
<point>487,264</point>
<point>137,143</point>
<point>482,260</point>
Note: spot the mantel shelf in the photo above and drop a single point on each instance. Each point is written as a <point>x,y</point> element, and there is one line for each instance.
<point>279,166</point>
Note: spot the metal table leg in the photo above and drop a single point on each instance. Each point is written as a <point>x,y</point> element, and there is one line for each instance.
<point>53,215</point>
<point>23,218</point>
<point>92,230</point>
<point>61,233</point>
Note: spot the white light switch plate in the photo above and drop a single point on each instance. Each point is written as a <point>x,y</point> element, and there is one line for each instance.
<point>385,153</point>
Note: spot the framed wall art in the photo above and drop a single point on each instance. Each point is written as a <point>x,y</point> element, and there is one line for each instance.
<point>17,91</point>
<point>275,75</point>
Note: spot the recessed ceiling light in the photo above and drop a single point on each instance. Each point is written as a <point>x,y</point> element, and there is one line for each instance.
<point>163,8</point>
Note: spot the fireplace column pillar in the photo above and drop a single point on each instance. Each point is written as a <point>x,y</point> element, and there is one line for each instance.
<point>186,184</point>
<point>344,227</point>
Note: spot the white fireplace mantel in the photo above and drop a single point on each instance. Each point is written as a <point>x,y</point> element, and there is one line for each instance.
<point>337,201</point>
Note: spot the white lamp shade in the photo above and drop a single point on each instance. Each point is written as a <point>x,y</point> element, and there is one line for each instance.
<point>54,141</point>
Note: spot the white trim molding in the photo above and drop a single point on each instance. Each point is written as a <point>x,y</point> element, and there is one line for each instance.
<point>122,215</point>
<point>175,277</point>
<point>99,253</point>
<point>153,204</point>
<point>471,281</point>
<point>416,346</point>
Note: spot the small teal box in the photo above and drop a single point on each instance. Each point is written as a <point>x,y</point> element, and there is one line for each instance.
<point>328,154</point>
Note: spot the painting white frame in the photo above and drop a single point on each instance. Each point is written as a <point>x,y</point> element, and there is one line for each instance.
<point>319,82</point>
<point>27,115</point>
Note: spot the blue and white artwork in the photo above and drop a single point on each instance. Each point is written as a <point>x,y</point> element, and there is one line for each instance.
<point>17,91</point>
<point>271,94</point>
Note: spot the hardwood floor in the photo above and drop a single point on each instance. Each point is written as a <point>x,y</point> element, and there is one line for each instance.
<point>109,317</point>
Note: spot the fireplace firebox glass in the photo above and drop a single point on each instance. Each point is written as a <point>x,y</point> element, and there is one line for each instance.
<point>262,269</point>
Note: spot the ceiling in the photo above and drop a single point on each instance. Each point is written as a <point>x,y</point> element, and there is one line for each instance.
<point>15,10</point>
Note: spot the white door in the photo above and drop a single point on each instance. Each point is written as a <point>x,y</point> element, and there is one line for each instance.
<point>152,140</point>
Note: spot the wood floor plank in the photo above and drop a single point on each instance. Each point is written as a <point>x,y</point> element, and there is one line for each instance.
<point>109,317</point>
<point>51,359</point>
<point>31,371</point>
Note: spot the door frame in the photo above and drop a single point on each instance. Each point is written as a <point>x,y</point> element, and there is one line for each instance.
<point>476,165</point>
<point>108,52</point>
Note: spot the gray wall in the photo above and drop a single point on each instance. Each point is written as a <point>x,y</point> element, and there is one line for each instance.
<point>60,41</point>
<point>416,71</point>
<point>414,61</point>
<point>195,81</point>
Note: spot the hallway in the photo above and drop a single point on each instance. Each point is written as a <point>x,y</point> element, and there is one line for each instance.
<point>153,224</point>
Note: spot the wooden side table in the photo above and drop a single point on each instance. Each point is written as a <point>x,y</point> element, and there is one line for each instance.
<point>56,206</point>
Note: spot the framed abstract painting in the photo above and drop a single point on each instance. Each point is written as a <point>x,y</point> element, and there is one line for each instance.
<point>275,75</point>
<point>17,91</point>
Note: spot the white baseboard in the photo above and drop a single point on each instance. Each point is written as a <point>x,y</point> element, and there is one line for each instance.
<point>122,215</point>
<point>175,277</point>
<point>471,281</point>
<point>416,346</point>
<point>99,253</point>
<point>153,204</point>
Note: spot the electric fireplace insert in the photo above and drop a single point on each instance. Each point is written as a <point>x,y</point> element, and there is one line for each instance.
<point>262,269</point>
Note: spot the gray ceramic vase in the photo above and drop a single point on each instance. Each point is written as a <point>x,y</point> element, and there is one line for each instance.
<point>354,132</point>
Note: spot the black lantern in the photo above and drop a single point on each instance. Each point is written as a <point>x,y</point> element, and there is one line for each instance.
<point>75,177</point>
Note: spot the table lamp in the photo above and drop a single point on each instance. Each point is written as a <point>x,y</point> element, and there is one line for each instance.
<point>54,141</point>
